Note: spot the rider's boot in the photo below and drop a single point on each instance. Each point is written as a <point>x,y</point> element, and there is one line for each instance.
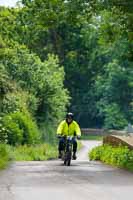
<point>74,156</point>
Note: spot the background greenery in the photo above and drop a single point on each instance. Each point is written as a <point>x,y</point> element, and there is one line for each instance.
<point>93,41</point>
<point>64,55</point>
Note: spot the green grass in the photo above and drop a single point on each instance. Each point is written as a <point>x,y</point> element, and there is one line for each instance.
<point>26,153</point>
<point>38,152</point>
<point>34,153</point>
<point>5,155</point>
<point>119,156</point>
<point>91,137</point>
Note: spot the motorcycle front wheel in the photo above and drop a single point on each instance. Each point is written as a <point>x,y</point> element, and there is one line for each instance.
<point>67,160</point>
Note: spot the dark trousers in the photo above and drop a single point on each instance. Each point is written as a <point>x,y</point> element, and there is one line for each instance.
<point>61,146</point>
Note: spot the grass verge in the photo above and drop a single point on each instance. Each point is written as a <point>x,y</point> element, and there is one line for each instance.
<point>39,152</point>
<point>26,153</point>
<point>5,155</point>
<point>116,156</point>
<point>34,153</point>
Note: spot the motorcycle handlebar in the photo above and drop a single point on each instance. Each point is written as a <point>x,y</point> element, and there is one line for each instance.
<point>75,136</point>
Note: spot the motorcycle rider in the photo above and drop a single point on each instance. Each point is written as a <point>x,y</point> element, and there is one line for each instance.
<point>68,127</point>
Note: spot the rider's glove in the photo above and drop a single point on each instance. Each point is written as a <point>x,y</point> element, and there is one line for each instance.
<point>58,136</point>
<point>78,137</point>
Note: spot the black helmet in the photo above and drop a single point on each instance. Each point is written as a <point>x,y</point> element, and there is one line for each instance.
<point>69,115</point>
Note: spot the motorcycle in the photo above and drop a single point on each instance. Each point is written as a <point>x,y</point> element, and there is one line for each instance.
<point>67,152</point>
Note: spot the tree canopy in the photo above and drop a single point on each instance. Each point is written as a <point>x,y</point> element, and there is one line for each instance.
<point>50,47</point>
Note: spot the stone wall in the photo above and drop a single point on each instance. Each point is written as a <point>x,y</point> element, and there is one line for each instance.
<point>116,140</point>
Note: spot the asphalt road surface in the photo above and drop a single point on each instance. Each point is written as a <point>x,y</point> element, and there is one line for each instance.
<point>50,180</point>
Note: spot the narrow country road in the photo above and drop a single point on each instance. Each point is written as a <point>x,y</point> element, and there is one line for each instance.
<point>50,180</point>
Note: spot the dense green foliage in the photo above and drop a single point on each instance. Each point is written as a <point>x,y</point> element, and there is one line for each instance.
<point>93,40</point>
<point>117,156</point>
<point>47,46</point>
<point>21,129</point>
<point>31,91</point>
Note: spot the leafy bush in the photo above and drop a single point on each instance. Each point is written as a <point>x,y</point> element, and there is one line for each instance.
<point>4,156</point>
<point>18,101</point>
<point>117,156</point>
<point>34,153</point>
<point>3,132</point>
<point>21,129</point>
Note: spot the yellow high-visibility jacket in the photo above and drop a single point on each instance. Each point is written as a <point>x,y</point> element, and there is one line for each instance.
<point>68,130</point>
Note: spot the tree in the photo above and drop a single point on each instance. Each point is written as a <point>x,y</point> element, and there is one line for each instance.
<point>115,94</point>
<point>92,40</point>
